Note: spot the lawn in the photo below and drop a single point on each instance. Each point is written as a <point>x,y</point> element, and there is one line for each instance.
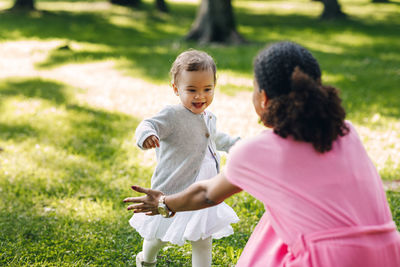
<point>77,77</point>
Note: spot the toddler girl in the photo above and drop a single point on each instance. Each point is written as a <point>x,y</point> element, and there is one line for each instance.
<point>186,143</point>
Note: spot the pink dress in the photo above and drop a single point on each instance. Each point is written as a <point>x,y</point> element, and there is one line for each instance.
<point>321,209</point>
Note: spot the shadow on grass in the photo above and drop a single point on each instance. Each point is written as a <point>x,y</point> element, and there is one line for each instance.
<point>85,146</point>
<point>152,40</point>
<point>17,132</point>
<point>92,129</point>
<point>291,23</point>
<point>34,88</point>
<point>146,44</point>
<point>98,133</point>
<point>81,27</point>
<point>155,30</point>
<point>50,239</point>
<point>78,157</point>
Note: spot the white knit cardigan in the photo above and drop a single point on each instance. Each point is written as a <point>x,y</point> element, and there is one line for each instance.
<point>184,139</point>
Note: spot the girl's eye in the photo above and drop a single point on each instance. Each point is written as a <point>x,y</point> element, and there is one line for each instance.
<point>208,89</point>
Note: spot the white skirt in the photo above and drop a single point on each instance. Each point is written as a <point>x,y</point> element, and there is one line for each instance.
<point>189,225</point>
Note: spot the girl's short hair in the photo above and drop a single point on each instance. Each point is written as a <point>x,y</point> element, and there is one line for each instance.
<point>299,105</point>
<point>192,60</point>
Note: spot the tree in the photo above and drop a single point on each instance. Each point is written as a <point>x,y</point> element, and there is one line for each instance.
<point>332,10</point>
<point>161,5</point>
<point>132,3</point>
<point>24,5</point>
<point>215,23</point>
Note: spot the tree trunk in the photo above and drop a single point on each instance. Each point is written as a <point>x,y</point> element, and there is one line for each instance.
<point>161,5</point>
<point>24,5</point>
<point>332,10</point>
<point>133,3</point>
<point>215,23</point>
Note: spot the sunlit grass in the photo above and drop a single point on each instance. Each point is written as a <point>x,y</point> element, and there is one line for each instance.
<point>63,168</point>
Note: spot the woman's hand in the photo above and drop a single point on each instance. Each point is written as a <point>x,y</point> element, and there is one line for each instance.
<point>151,142</point>
<point>147,204</point>
<point>200,195</point>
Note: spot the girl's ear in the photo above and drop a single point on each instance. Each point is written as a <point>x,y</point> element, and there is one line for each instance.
<point>175,88</point>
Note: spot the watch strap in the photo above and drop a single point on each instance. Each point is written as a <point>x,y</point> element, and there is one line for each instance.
<point>171,213</point>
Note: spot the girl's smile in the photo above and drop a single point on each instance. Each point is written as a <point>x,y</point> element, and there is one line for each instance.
<point>198,105</point>
<point>195,89</point>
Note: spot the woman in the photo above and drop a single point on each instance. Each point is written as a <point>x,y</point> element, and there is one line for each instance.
<point>325,204</point>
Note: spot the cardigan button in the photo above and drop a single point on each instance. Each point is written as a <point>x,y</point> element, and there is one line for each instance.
<point>207,135</point>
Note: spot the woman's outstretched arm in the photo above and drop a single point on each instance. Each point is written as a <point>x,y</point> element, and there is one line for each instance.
<point>199,195</point>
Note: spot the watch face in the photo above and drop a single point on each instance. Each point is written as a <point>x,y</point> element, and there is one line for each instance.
<point>163,211</point>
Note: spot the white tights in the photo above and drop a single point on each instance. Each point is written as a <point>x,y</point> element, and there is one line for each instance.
<point>201,251</point>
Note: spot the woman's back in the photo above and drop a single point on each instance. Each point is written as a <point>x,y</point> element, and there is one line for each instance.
<point>306,191</point>
<point>312,195</point>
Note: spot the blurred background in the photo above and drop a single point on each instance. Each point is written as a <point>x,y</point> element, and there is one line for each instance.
<point>76,77</point>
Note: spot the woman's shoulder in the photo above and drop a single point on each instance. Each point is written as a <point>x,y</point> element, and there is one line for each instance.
<point>352,138</point>
<point>249,155</point>
<point>351,133</point>
<point>349,124</point>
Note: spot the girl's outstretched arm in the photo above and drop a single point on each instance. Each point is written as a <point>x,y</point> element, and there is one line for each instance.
<point>199,195</point>
<point>160,126</point>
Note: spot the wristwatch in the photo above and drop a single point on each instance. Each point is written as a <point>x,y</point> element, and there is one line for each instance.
<point>163,209</point>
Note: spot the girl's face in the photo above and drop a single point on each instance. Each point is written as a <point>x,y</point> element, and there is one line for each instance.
<point>195,89</point>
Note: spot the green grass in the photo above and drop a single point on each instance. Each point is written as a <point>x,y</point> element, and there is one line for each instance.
<point>66,165</point>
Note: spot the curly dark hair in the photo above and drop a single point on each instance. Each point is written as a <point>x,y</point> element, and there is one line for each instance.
<point>299,105</point>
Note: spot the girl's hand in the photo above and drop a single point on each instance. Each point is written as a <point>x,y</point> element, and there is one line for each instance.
<point>151,142</point>
<point>147,204</point>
